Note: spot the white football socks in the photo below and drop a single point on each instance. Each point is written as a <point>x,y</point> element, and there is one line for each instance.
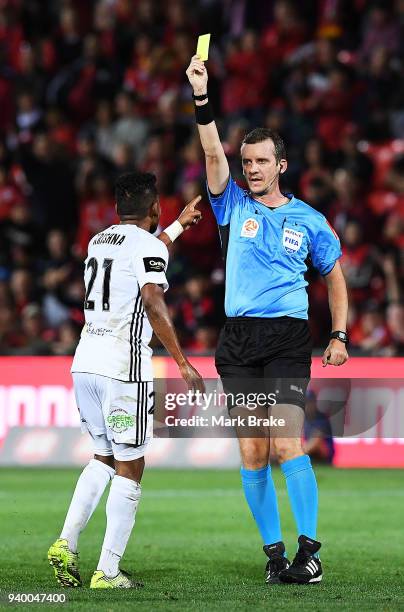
<point>122,503</point>
<point>89,489</point>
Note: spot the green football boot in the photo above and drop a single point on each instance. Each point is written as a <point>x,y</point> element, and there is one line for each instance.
<point>65,564</point>
<point>121,581</point>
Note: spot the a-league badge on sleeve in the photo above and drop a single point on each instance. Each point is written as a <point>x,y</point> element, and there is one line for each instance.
<point>250,228</point>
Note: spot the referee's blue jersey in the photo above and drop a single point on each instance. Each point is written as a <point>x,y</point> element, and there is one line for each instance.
<point>266,253</point>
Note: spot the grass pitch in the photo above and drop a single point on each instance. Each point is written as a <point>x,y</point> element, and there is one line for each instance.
<point>196,547</point>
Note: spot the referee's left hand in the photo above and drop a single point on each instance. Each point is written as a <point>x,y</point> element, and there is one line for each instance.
<point>335,354</point>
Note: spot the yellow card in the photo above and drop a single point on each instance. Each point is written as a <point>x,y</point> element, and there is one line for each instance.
<point>203,47</point>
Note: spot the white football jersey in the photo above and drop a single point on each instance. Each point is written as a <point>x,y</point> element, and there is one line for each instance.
<point>115,339</point>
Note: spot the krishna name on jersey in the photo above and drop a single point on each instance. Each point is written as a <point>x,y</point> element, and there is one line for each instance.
<point>115,338</point>
<point>266,252</point>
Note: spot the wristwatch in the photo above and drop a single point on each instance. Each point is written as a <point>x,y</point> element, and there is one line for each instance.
<point>340,335</point>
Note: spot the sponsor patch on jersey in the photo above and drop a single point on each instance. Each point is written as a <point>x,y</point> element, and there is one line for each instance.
<point>154,264</point>
<point>292,240</point>
<point>120,421</point>
<point>250,228</point>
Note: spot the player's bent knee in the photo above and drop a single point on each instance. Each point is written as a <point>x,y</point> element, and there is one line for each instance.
<point>131,469</point>
<point>129,460</point>
<point>106,459</point>
<point>254,453</point>
<point>287,448</point>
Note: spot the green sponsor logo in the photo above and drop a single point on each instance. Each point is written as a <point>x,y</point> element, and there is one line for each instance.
<point>119,420</point>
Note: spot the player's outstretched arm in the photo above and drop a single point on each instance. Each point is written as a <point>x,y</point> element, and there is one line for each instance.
<point>157,313</point>
<point>189,216</point>
<point>336,353</point>
<point>217,167</point>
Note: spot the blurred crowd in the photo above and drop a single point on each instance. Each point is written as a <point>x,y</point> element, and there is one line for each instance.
<point>89,90</point>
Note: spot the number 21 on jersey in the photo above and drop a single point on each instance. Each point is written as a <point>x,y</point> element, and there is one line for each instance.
<point>106,266</point>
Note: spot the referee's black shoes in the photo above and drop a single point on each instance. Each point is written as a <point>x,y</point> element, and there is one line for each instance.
<point>305,567</point>
<point>276,562</point>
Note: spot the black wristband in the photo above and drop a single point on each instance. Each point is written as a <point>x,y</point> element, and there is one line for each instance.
<point>340,335</point>
<point>204,114</point>
<point>201,97</point>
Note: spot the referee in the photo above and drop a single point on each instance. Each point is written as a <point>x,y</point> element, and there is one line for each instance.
<point>266,237</point>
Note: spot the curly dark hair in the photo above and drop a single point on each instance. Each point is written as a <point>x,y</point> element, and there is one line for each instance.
<point>135,192</point>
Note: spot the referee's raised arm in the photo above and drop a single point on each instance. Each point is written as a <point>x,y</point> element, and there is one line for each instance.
<point>217,167</point>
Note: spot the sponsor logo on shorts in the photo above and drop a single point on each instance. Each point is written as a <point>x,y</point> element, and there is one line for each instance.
<point>250,228</point>
<point>154,264</point>
<point>120,421</point>
<point>292,240</point>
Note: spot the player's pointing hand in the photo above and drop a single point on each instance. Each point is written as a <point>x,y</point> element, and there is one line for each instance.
<point>190,215</point>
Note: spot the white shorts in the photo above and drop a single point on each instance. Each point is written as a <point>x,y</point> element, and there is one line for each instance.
<point>118,415</point>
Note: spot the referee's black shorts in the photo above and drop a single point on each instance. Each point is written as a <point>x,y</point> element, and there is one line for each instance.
<point>270,355</point>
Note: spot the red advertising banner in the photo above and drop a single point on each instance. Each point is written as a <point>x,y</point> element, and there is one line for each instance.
<point>37,392</point>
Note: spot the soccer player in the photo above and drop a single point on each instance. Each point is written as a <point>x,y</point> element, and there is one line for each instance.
<point>266,238</point>
<point>112,372</point>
